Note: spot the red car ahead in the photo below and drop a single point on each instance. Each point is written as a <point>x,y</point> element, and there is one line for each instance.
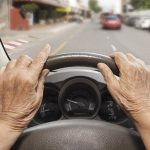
<point>111,22</point>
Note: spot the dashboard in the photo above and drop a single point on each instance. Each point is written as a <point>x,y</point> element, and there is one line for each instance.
<point>77,92</point>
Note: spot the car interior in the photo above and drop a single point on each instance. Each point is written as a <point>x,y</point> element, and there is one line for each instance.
<point>77,111</point>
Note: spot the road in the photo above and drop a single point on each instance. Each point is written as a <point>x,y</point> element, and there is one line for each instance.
<point>89,37</point>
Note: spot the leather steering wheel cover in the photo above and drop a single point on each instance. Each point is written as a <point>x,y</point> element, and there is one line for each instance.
<point>80,59</point>
<point>79,134</point>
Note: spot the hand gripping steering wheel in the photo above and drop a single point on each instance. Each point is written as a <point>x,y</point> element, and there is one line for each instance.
<point>79,134</point>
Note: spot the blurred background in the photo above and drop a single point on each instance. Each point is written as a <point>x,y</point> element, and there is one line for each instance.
<point>99,26</point>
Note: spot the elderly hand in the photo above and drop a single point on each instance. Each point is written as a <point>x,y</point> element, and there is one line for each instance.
<point>132,90</point>
<point>21,89</point>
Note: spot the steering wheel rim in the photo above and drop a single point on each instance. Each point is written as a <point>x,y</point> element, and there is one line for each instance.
<point>80,59</point>
<point>79,134</point>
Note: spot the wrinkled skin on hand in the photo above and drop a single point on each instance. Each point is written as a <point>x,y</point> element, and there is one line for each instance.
<point>21,89</point>
<point>132,90</point>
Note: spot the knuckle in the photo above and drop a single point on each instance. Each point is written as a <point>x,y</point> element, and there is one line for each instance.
<point>22,57</point>
<point>129,54</point>
<point>118,54</point>
<point>2,69</point>
<point>130,68</point>
<point>13,60</point>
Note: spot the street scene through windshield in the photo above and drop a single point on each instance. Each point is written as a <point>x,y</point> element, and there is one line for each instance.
<point>98,26</point>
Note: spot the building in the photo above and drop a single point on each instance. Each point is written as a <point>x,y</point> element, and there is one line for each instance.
<point>37,11</point>
<point>79,6</point>
<point>4,15</point>
<point>126,6</point>
<point>47,11</point>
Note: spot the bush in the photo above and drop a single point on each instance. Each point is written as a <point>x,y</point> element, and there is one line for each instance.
<point>29,8</point>
<point>43,15</point>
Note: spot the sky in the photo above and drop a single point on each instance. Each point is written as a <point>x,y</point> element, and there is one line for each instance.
<point>107,5</point>
<point>111,5</point>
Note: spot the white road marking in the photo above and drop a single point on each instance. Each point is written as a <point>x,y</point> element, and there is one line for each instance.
<point>113,48</point>
<point>108,38</point>
<point>58,29</point>
<point>8,47</point>
<point>15,43</point>
<point>61,28</point>
<point>60,47</point>
<point>23,41</point>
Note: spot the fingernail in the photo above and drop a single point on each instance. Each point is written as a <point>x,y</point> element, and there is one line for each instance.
<point>99,65</point>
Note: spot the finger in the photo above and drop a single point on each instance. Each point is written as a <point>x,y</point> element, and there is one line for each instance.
<point>120,59</point>
<point>23,61</point>
<point>2,69</point>
<point>11,64</point>
<point>111,81</point>
<point>39,61</point>
<point>131,57</point>
<point>107,73</point>
<point>148,66</point>
<point>40,85</point>
<point>141,61</point>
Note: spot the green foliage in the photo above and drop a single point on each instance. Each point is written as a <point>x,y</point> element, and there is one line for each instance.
<point>93,5</point>
<point>43,14</point>
<point>29,8</point>
<point>146,4</point>
<point>141,4</point>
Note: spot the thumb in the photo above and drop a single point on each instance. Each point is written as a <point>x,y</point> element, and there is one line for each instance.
<point>111,81</point>
<point>107,74</point>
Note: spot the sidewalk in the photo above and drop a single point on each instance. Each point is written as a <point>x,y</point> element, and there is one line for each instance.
<point>14,39</point>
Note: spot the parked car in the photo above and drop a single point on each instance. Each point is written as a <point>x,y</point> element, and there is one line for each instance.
<point>76,18</point>
<point>130,20</point>
<point>111,22</point>
<point>143,23</point>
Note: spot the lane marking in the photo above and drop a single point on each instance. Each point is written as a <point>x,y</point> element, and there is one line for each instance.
<point>113,48</point>
<point>59,48</point>
<point>108,38</point>
<point>72,36</point>
<point>23,41</point>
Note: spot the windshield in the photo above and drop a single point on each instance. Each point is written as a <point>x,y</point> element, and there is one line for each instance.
<point>75,26</point>
<point>111,18</point>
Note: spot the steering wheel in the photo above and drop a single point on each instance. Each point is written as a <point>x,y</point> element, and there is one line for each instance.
<point>79,134</point>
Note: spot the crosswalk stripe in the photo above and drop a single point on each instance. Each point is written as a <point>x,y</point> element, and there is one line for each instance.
<point>8,47</point>
<point>15,43</point>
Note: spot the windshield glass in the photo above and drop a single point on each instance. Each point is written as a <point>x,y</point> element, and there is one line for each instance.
<point>111,18</point>
<point>75,26</point>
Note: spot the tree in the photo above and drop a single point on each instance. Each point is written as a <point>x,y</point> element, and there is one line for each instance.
<point>146,4</point>
<point>141,4</point>
<point>32,8</point>
<point>93,5</point>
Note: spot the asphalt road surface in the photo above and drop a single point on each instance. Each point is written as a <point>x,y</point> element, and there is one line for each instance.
<point>90,37</point>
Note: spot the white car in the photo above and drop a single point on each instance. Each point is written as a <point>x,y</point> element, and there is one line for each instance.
<point>143,23</point>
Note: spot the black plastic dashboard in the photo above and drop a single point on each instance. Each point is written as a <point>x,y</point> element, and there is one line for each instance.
<point>76,92</point>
